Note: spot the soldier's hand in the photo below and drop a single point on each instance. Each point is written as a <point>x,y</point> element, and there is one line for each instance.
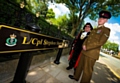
<point>84,47</point>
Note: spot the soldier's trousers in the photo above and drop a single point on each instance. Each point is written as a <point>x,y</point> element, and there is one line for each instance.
<point>85,67</point>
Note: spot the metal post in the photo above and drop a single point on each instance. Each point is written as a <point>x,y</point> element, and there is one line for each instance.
<point>22,68</point>
<point>25,60</point>
<point>57,60</point>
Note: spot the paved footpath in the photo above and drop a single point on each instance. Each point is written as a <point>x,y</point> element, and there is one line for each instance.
<point>53,73</point>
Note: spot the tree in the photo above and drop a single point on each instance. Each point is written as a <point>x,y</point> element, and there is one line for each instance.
<point>61,22</point>
<point>50,14</point>
<point>111,46</point>
<point>37,6</point>
<point>90,8</point>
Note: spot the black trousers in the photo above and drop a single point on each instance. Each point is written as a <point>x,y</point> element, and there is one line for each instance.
<point>74,58</point>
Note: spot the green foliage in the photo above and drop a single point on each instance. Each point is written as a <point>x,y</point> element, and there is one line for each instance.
<point>37,6</point>
<point>7,12</point>
<point>111,46</point>
<point>90,8</point>
<point>50,14</point>
<point>61,22</point>
<point>17,15</point>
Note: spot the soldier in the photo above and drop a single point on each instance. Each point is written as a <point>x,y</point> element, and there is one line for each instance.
<point>91,49</point>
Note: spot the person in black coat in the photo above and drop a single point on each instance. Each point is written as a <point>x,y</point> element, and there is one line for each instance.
<point>77,45</point>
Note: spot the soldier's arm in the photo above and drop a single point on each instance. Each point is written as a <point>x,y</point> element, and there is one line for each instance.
<point>102,41</point>
<point>84,44</point>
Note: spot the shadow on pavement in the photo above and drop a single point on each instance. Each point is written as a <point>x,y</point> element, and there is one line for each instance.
<point>102,74</point>
<point>52,73</point>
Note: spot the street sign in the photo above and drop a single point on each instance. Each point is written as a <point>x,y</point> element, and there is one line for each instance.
<point>19,40</point>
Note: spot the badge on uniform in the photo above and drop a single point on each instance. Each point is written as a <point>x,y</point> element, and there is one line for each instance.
<point>98,31</point>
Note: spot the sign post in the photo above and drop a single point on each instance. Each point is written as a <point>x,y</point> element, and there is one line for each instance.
<point>64,45</point>
<point>22,67</point>
<point>24,41</point>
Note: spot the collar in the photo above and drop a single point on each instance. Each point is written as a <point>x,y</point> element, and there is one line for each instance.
<point>100,26</point>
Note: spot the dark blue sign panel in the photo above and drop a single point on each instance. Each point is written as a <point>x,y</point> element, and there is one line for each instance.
<point>19,40</point>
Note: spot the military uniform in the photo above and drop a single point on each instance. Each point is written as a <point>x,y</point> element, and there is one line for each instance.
<point>96,39</point>
<point>93,44</point>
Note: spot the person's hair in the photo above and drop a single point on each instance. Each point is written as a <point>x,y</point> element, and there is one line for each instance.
<point>88,24</point>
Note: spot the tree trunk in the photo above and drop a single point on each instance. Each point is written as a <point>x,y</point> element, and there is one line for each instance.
<point>73,31</point>
<point>75,27</point>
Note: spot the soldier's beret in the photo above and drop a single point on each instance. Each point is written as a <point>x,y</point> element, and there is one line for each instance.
<point>104,14</point>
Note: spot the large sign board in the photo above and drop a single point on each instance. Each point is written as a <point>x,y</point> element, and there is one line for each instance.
<point>19,40</point>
